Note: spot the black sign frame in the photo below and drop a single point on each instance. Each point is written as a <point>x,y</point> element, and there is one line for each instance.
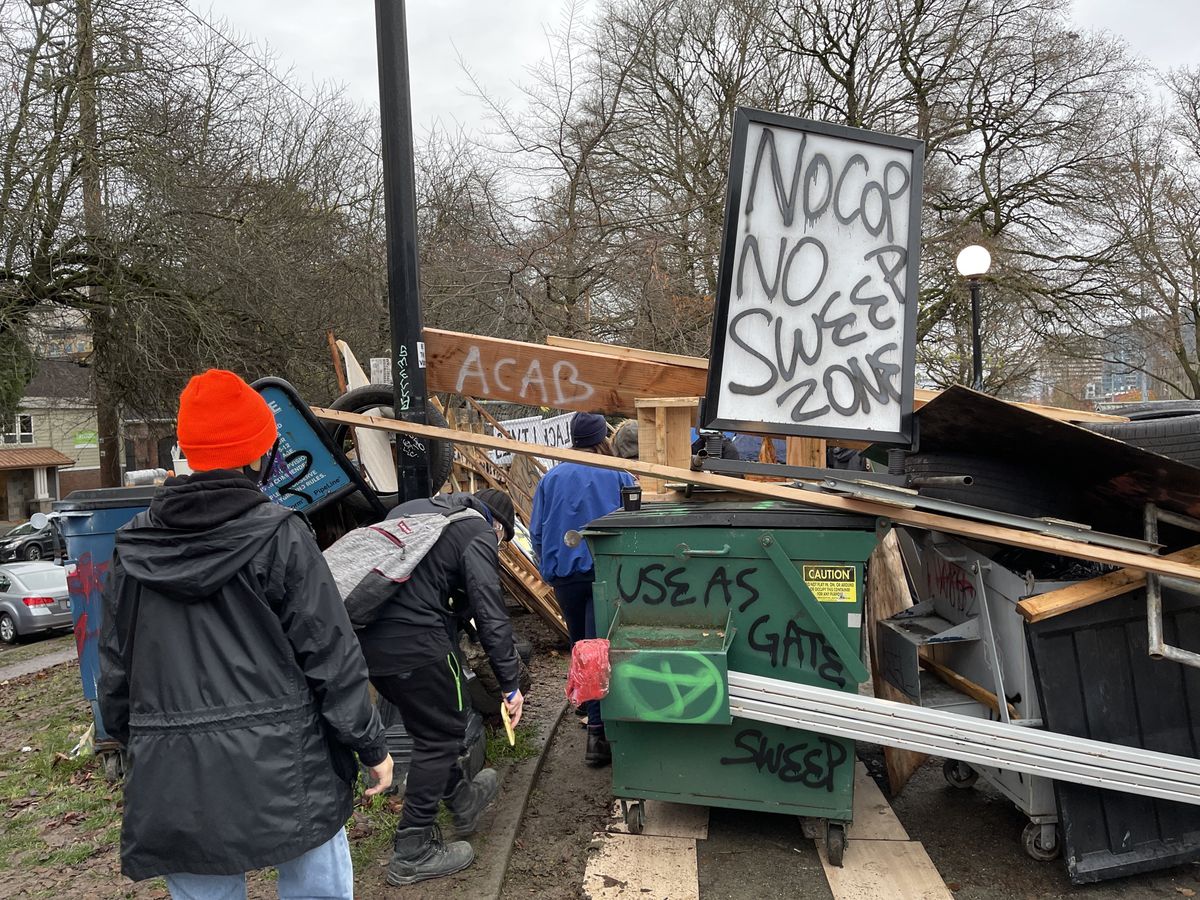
<point>743,118</point>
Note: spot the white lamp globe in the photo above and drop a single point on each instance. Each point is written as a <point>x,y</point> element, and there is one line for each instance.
<point>973,261</point>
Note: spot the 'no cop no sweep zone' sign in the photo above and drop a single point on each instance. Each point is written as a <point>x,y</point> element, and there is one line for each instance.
<point>815,326</point>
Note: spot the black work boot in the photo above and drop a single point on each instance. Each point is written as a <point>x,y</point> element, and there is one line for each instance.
<point>421,854</point>
<point>599,753</point>
<point>469,799</point>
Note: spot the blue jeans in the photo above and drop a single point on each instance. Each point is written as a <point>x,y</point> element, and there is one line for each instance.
<point>323,873</point>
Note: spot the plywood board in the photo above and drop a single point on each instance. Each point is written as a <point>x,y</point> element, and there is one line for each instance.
<point>627,866</point>
<point>1094,590</point>
<point>884,870</point>
<point>874,818</point>
<point>932,521</point>
<point>665,819</point>
<point>888,594</point>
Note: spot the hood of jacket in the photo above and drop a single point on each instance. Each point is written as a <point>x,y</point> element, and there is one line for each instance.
<point>199,532</point>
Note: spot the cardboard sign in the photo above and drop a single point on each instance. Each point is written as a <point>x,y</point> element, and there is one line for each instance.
<point>815,326</point>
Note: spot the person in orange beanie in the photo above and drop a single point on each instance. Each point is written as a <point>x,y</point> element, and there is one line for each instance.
<point>229,669</point>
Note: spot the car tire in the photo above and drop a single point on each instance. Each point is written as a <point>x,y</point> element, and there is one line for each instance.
<point>1176,437</point>
<point>8,629</point>
<point>1161,409</point>
<point>380,396</point>
<point>32,552</point>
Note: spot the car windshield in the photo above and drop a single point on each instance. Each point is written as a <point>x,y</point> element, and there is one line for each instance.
<point>20,530</point>
<point>41,579</point>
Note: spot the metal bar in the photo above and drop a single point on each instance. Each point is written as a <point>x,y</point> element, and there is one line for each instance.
<point>753,467</point>
<point>975,754</point>
<point>990,644</point>
<point>803,696</point>
<point>1179,519</point>
<point>911,500</point>
<point>1158,647</point>
<point>850,657</point>
<point>1006,752</point>
<point>400,219</point>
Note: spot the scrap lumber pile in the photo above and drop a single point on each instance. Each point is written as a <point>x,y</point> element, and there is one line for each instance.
<point>474,470</point>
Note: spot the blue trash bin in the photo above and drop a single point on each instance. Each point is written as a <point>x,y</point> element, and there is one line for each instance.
<point>89,521</point>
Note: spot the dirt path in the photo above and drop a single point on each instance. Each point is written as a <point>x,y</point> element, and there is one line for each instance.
<point>569,804</point>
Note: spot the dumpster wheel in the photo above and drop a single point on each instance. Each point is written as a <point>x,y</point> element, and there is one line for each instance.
<point>635,817</point>
<point>835,842</point>
<point>959,774</point>
<point>1040,842</point>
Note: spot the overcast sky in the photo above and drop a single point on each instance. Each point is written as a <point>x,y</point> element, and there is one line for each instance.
<point>499,39</point>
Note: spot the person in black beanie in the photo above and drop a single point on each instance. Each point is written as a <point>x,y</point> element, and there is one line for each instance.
<point>568,497</point>
<point>409,648</point>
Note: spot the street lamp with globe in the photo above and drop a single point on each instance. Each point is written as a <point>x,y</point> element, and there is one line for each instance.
<point>973,263</point>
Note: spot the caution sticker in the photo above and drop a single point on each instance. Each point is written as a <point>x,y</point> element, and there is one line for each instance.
<point>832,582</point>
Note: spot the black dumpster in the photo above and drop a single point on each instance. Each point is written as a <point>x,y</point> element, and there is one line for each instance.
<point>1095,679</point>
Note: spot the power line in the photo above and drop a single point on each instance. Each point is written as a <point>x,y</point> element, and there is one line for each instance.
<point>266,70</point>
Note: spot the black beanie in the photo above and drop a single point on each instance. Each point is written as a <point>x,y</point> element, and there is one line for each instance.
<point>501,506</point>
<point>588,429</point>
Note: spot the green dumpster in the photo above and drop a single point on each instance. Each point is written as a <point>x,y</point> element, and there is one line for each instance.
<point>687,592</point>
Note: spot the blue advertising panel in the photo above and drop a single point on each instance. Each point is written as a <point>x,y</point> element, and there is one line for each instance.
<point>307,470</point>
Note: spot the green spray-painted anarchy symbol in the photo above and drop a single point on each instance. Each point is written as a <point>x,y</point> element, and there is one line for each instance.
<point>682,688</point>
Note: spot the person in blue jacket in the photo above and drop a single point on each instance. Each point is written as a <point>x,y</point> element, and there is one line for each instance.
<point>568,497</point>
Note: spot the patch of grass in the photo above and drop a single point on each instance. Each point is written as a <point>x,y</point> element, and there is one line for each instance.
<point>58,810</point>
<point>371,831</point>
<point>499,751</point>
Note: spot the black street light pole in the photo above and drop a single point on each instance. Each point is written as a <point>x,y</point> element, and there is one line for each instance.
<point>976,341</point>
<point>400,215</point>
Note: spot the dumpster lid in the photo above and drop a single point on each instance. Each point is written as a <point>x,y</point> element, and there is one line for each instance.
<point>106,498</point>
<point>754,514</point>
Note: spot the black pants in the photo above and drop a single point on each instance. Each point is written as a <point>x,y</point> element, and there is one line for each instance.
<point>431,704</point>
<point>575,601</point>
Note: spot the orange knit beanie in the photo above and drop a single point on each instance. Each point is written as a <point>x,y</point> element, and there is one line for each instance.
<point>223,422</point>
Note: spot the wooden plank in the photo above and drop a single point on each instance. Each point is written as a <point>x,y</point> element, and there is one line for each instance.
<point>874,818</point>
<point>642,866</point>
<point>931,521</point>
<point>674,359</point>
<point>884,870</point>
<point>922,396</point>
<point>1094,590</point>
<point>692,403</point>
<point>966,686</point>
<point>803,451</point>
<point>556,377</point>
<point>888,594</point>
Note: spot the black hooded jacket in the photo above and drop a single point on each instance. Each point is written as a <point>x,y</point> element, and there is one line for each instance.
<point>414,627</point>
<point>229,669</point>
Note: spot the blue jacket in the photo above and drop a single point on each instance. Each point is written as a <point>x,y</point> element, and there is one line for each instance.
<point>568,497</point>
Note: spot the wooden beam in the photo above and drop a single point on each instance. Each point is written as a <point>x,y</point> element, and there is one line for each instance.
<point>672,359</point>
<point>554,377</point>
<point>805,451</point>
<point>932,521</point>
<point>966,686</point>
<point>887,594</point>
<point>1094,590</point>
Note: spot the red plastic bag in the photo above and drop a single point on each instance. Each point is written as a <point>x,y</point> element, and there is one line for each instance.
<point>590,670</point>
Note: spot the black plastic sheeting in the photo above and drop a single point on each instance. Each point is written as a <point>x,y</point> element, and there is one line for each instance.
<point>1095,679</point>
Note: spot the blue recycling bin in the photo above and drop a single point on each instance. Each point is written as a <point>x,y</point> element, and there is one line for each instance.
<point>88,521</point>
